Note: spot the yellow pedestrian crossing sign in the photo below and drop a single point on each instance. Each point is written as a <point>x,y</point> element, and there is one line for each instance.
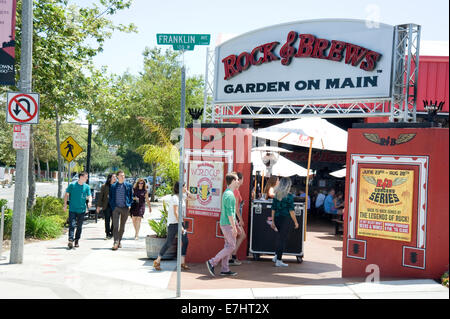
<point>70,149</point>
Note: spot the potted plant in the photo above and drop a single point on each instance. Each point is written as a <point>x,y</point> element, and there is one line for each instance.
<point>154,242</point>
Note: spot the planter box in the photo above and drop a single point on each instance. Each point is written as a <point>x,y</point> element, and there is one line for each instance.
<point>153,246</point>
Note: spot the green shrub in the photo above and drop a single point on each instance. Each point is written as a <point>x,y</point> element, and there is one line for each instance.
<point>163,190</point>
<point>45,220</point>
<point>160,227</point>
<point>49,206</point>
<point>8,219</point>
<point>444,279</point>
<point>43,227</point>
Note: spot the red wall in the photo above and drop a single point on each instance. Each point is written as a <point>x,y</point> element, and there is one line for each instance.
<point>392,255</point>
<point>204,240</point>
<point>433,81</point>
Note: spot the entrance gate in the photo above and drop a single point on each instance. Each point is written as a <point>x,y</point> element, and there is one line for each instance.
<point>395,87</point>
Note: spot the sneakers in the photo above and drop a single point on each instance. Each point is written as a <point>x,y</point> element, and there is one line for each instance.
<point>274,259</point>
<point>70,245</point>
<point>234,262</point>
<point>76,244</point>
<point>279,263</point>
<point>116,246</point>
<point>228,273</point>
<point>210,268</point>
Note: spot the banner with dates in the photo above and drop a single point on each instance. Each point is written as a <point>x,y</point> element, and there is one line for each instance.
<point>206,181</point>
<point>385,203</point>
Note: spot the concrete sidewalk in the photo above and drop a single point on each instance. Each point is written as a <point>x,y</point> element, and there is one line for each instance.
<point>94,271</point>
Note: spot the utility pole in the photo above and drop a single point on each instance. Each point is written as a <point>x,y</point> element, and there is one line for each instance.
<point>88,160</point>
<point>20,187</point>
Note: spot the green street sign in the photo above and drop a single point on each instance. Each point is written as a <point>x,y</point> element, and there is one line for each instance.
<point>183,41</point>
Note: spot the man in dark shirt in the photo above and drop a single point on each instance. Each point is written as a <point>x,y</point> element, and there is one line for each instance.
<point>120,199</point>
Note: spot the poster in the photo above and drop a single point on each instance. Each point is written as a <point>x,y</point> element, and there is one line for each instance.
<point>385,203</point>
<point>7,41</point>
<point>206,182</point>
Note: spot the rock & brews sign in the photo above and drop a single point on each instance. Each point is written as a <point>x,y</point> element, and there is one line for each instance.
<point>309,60</point>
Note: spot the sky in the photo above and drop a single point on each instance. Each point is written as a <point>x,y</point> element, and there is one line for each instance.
<point>225,19</point>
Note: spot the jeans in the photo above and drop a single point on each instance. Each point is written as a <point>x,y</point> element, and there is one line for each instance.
<point>283,224</point>
<point>75,220</point>
<point>225,254</point>
<point>108,221</point>
<point>122,214</point>
<point>172,232</point>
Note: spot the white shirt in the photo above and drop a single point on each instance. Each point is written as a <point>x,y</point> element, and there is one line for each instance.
<point>171,219</point>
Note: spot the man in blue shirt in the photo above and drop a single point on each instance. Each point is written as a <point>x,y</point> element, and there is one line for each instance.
<point>79,193</point>
<point>328,205</point>
<point>120,199</point>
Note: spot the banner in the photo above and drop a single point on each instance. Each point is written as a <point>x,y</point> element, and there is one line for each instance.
<point>7,41</point>
<point>385,203</point>
<point>206,182</point>
<point>324,59</point>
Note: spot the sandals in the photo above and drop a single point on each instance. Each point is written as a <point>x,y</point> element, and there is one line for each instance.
<point>185,267</point>
<point>157,266</point>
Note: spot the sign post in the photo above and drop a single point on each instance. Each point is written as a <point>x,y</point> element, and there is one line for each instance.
<point>182,42</point>
<point>21,185</point>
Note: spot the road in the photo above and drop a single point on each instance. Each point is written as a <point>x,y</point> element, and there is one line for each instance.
<point>42,189</point>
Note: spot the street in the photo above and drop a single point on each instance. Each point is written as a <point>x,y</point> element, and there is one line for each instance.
<point>42,189</point>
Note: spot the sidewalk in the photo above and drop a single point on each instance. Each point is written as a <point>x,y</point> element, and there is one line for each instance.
<point>94,271</point>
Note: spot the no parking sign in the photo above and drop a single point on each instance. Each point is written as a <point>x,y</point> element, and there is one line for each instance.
<point>22,108</point>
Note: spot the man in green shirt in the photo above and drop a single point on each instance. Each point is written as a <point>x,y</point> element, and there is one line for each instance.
<point>80,192</point>
<point>228,227</point>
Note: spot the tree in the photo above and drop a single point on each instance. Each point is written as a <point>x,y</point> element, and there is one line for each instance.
<point>154,94</point>
<point>7,153</point>
<point>61,53</point>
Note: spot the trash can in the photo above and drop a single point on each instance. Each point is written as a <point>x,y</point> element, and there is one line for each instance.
<point>263,237</point>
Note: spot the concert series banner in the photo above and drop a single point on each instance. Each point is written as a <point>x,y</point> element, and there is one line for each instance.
<point>385,203</point>
<point>206,182</point>
<point>7,41</point>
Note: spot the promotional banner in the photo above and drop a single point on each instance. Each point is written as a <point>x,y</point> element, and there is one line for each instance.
<point>206,182</point>
<point>385,203</point>
<point>308,60</point>
<point>7,41</point>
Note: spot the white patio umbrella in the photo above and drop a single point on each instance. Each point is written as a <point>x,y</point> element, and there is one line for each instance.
<point>325,135</point>
<point>283,167</point>
<point>339,173</point>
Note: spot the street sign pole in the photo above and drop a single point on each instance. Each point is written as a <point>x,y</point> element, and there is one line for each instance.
<point>181,177</point>
<point>21,184</point>
<point>182,42</point>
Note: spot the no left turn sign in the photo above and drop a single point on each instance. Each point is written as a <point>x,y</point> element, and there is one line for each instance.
<point>22,108</point>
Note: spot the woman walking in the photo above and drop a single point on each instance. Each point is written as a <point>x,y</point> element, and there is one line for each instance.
<point>140,197</point>
<point>172,226</point>
<point>282,214</point>
<point>103,204</point>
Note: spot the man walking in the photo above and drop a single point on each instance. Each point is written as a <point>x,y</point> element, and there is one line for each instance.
<point>120,199</point>
<point>79,193</point>
<point>228,227</point>
<point>240,221</point>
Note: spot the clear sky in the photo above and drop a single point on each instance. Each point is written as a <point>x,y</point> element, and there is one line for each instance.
<point>233,17</point>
